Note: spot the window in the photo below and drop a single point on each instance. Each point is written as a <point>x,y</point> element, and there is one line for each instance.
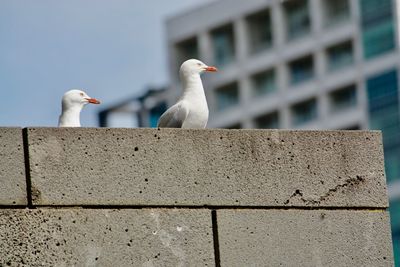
<point>260,31</point>
<point>155,113</point>
<point>335,11</point>
<point>227,96</point>
<point>377,27</point>
<point>187,49</point>
<point>343,98</point>
<point>235,126</point>
<point>392,159</point>
<point>396,243</point>
<point>383,108</point>
<point>304,112</point>
<point>268,121</point>
<point>353,128</point>
<point>297,16</point>
<point>394,208</point>
<point>395,214</point>
<point>263,83</point>
<point>340,56</point>
<point>223,45</point>
<point>301,70</point>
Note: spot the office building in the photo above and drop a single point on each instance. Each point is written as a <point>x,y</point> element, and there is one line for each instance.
<point>137,111</point>
<point>298,64</point>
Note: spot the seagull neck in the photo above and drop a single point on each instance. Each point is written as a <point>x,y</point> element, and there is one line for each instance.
<point>70,116</point>
<point>192,85</point>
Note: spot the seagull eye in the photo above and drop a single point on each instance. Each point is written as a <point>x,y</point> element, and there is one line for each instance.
<point>198,64</point>
<point>81,94</point>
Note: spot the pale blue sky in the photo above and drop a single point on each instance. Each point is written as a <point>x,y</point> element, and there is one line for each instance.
<point>112,49</point>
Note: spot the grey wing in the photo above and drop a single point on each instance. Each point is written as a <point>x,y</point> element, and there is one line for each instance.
<point>174,116</point>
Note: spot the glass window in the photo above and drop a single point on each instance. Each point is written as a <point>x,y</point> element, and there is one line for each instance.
<point>301,70</point>
<point>155,113</point>
<point>227,96</point>
<point>395,216</point>
<point>268,121</point>
<point>377,27</point>
<point>263,82</point>
<point>343,98</point>
<point>187,49</point>
<point>392,159</point>
<point>396,244</point>
<point>383,117</point>
<point>235,126</point>
<point>340,56</point>
<point>352,128</point>
<point>304,112</point>
<point>223,45</point>
<point>382,90</point>
<point>297,16</point>
<point>394,208</point>
<point>335,11</point>
<point>260,31</point>
<point>383,108</point>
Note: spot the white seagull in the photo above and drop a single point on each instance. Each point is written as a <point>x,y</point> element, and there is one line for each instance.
<point>191,110</point>
<point>72,103</point>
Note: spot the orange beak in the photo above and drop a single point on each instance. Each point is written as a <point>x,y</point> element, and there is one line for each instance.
<point>211,69</point>
<point>93,100</point>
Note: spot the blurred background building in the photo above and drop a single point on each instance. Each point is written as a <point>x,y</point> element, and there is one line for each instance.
<point>294,64</point>
<point>143,110</point>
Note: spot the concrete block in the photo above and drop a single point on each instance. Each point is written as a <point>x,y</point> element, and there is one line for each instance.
<point>304,238</point>
<point>101,237</point>
<point>78,166</point>
<point>12,167</point>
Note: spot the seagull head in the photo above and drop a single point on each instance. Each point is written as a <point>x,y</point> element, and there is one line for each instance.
<point>194,66</point>
<point>77,98</point>
<point>72,103</point>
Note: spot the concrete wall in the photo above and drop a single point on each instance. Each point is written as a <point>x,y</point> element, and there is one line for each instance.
<point>12,167</point>
<point>172,197</point>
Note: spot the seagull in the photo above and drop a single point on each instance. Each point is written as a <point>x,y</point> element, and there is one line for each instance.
<point>191,110</point>
<point>72,103</point>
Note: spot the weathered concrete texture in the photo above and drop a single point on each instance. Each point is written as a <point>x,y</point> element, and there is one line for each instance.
<point>12,167</point>
<point>206,167</point>
<point>304,238</point>
<point>83,237</point>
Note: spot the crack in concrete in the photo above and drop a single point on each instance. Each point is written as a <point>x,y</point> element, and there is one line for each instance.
<point>348,183</point>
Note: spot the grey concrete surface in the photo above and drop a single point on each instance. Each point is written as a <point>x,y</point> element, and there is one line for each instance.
<point>304,238</point>
<point>102,237</point>
<point>79,166</point>
<point>12,167</point>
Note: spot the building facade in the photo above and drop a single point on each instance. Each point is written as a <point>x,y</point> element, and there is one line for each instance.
<point>137,111</point>
<point>298,64</point>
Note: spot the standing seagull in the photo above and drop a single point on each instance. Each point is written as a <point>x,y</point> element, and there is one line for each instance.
<point>191,110</point>
<point>72,103</point>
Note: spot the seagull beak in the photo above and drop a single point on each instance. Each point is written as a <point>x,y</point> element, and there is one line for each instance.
<point>93,100</point>
<point>211,69</point>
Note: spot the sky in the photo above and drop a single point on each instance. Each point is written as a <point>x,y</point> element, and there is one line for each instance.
<point>111,49</point>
